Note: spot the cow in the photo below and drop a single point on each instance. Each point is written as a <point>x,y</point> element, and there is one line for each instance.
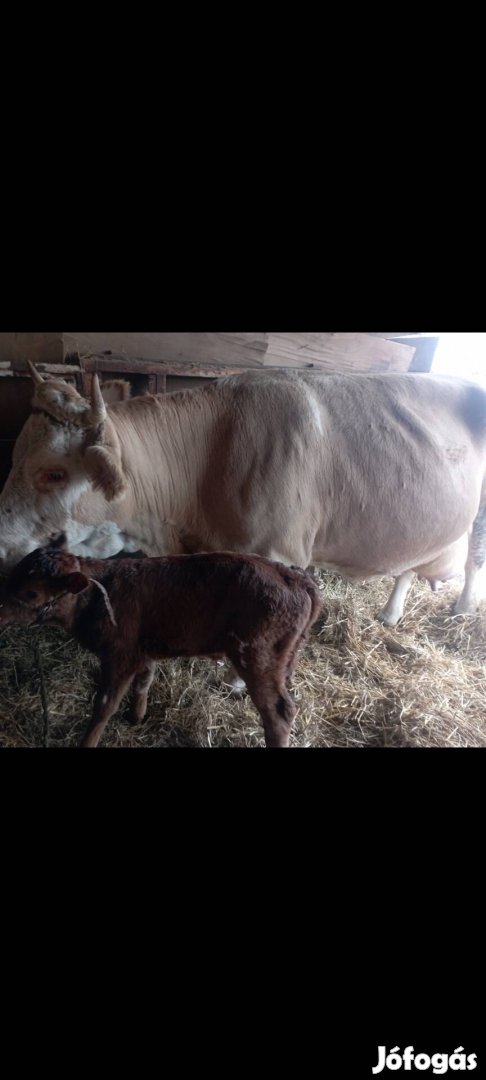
<point>364,474</point>
<point>132,612</point>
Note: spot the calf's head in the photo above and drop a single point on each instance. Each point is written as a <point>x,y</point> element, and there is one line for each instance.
<point>38,580</point>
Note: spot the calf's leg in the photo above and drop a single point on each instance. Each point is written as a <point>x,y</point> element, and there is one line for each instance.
<point>233,679</point>
<point>113,688</point>
<point>141,686</point>
<point>265,680</point>
<point>276,709</point>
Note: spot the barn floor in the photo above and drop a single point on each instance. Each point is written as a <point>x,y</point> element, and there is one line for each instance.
<point>357,683</point>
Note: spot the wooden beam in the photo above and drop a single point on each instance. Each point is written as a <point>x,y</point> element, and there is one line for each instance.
<point>207,355</point>
<point>338,352</point>
<point>160,368</point>
<point>35,347</point>
<point>247,349</point>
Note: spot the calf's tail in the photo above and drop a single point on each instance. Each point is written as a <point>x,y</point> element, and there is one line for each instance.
<point>312,589</point>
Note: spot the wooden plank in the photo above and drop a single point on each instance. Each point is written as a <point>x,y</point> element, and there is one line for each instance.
<point>50,369</point>
<point>19,367</point>
<point>338,352</point>
<point>119,363</point>
<point>13,369</point>
<point>148,367</point>
<point>247,349</point>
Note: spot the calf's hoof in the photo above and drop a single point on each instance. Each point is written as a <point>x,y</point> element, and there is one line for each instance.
<point>236,686</point>
<point>135,718</point>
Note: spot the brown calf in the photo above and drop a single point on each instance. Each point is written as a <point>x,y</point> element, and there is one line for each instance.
<point>132,612</point>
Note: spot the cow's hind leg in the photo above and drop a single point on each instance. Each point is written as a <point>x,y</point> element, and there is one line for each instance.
<point>467,602</point>
<point>141,686</point>
<point>393,610</point>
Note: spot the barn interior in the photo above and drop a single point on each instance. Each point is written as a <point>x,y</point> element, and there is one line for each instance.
<point>357,683</point>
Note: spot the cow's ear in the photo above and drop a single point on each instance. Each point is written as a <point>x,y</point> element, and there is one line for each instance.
<point>105,472</point>
<point>75,582</point>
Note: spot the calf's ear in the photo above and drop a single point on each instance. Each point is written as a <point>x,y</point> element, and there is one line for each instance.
<point>75,582</point>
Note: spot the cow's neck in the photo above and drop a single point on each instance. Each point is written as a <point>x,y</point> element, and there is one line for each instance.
<point>162,459</point>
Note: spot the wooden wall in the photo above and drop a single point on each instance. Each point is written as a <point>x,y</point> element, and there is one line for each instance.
<point>204,351</point>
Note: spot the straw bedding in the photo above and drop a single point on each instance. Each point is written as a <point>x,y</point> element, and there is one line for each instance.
<point>357,683</point>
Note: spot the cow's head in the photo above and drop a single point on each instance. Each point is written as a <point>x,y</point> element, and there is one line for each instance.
<point>68,446</point>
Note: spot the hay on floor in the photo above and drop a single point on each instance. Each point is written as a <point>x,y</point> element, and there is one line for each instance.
<point>357,683</point>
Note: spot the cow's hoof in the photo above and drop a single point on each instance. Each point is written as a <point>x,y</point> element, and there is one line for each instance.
<point>463,609</point>
<point>387,619</point>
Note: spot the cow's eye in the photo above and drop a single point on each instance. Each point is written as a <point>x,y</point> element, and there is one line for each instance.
<point>56,474</point>
<point>30,594</point>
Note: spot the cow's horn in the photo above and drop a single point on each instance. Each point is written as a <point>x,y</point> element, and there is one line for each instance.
<point>98,409</point>
<point>37,377</point>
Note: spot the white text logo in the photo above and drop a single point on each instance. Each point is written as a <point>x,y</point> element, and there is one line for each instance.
<point>439,1063</point>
